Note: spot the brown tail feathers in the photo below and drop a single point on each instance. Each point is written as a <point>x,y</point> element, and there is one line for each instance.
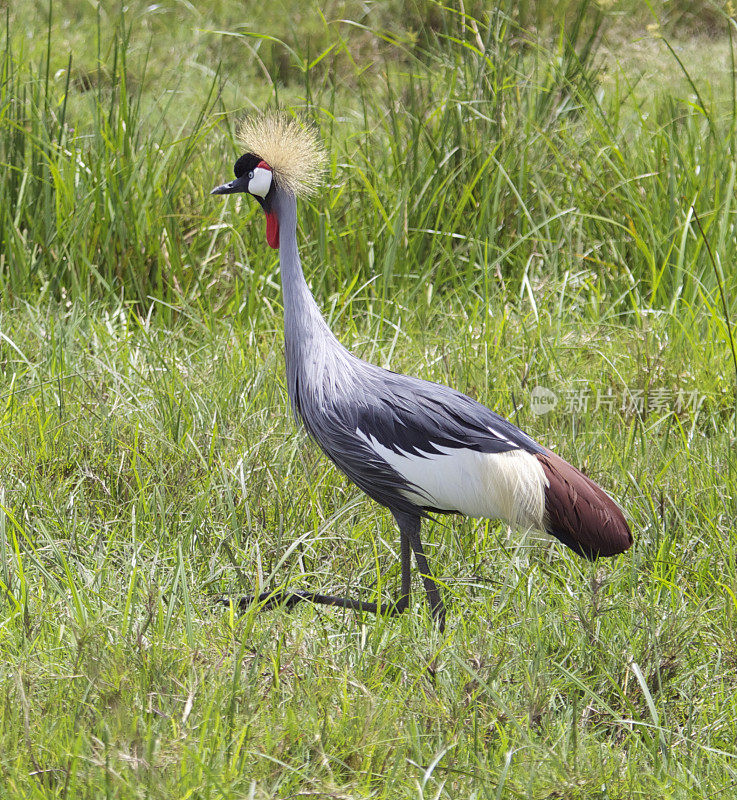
<point>580,513</point>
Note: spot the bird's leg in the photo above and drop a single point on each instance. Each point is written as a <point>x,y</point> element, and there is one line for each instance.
<point>406,559</point>
<point>410,528</point>
<point>290,598</point>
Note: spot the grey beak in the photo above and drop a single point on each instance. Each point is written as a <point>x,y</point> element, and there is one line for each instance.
<point>237,185</point>
<point>225,188</point>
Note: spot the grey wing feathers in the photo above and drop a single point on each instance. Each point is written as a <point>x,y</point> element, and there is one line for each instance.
<point>432,414</point>
<point>405,414</point>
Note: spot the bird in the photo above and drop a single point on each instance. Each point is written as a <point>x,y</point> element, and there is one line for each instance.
<point>416,447</point>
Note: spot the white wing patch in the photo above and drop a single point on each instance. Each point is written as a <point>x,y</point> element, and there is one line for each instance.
<point>509,486</point>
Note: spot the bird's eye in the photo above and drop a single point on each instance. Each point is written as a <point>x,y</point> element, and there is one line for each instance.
<point>250,175</point>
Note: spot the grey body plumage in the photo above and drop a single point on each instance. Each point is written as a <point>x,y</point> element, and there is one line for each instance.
<point>412,445</point>
<point>335,394</point>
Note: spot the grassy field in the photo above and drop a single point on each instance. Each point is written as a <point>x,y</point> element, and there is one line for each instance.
<point>520,196</point>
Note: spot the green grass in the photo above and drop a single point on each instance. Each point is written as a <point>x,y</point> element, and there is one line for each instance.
<point>508,206</point>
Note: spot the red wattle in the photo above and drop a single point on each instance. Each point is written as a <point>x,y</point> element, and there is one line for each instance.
<point>272,230</point>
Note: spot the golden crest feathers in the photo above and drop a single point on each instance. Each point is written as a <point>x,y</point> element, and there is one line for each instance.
<point>291,148</point>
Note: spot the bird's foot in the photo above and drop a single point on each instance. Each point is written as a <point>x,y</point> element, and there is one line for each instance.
<point>288,599</point>
<point>266,600</point>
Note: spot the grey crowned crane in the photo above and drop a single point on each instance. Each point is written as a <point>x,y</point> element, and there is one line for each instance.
<point>413,446</point>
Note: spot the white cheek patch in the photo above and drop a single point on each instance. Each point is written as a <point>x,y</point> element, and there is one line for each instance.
<point>260,183</point>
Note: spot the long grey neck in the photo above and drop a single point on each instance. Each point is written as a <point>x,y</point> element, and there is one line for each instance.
<point>308,341</point>
<point>302,317</point>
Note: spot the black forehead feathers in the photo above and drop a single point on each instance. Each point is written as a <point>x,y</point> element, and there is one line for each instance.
<point>245,164</point>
